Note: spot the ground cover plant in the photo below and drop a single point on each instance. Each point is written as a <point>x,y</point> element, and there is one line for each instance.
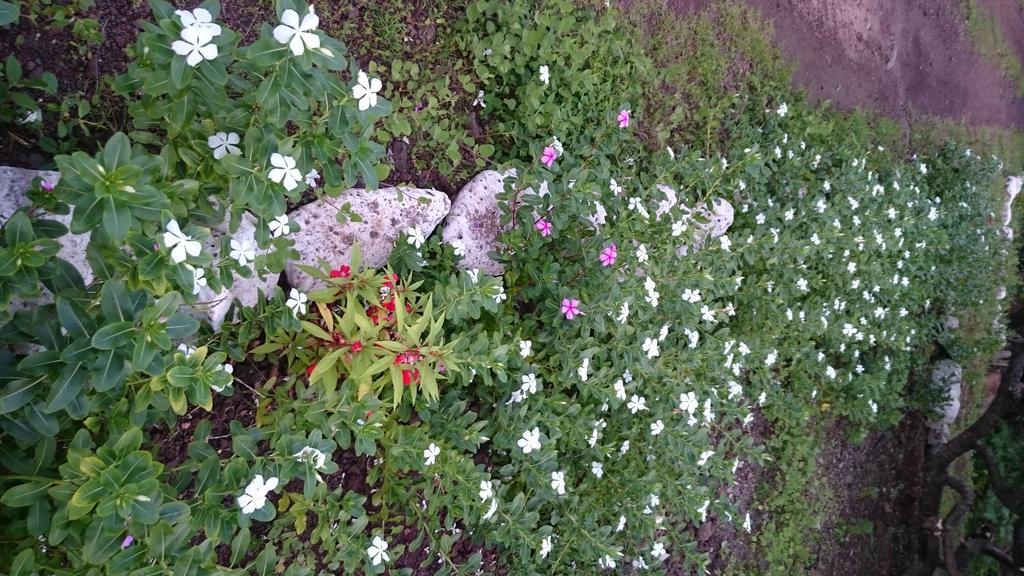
<point>589,410</point>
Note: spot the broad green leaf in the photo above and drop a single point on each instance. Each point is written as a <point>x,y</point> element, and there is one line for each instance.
<point>9,12</point>
<point>266,562</point>
<point>117,152</point>
<point>181,326</point>
<point>113,335</point>
<point>22,495</point>
<point>117,219</point>
<point>18,229</point>
<point>67,387</point>
<point>23,563</point>
<point>239,546</point>
<point>74,319</point>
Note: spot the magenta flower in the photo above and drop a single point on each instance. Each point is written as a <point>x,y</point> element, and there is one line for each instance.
<point>127,541</point>
<point>623,118</point>
<point>609,254</point>
<point>47,186</point>
<point>571,308</point>
<point>547,157</point>
<point>544,227</point>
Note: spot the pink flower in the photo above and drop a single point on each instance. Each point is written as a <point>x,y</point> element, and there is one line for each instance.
<point>571,308</point>
<point>127,541</point>
<point>623,118</point>
<point>547,157</point>
<point>47,186</point>
<point>609,254</point>
<point>544,227</point>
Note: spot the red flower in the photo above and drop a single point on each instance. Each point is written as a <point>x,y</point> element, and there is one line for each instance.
<point>390,305</point>
<point>356,346</point>
<point>309,370</point>
<point>343,272</point>
<point>410,376</point>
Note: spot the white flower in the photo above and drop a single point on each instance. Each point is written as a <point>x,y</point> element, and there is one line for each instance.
<point>657,427</point>
<point>704,457</point>
<point>703,510</point>
<point>430,454</point>
<point>663,333</point>
<point>242,252</point>
<point>491,510</point>
<point>621,525</point>
<point>557,145</point>
<point>801,283</point>
<point>186,349</point>
<point>500,295</point>
<point>693,336</point>
<point>524,348</point>
<point>583,370</point>
<point>747,524</point>
<point>486,490</point>
<point>782,110</point>
<point>284,171</point>
<point>298,36</point>
<point>623,313</point>
<point>255,496</point>
<point>415,237</point>
<point>479,100</point>
<point>458,247</point>
<point>279,226</point>
<point>198,278</point>
<point>311,177</point>
<point>615,188</point>
<point>658,552</point>
<point>620,389</point>
<point>830,372</point>
<point>558,482</point>
<point>181,245</point>
<point>607,562</point>
<point>529,385</point>
<point>637,404</point>
<point>625,447</point>
<point>545,74</point>
<point>195,45</point>
<point>545,546</point>
<point>312,456</point>
<point>366,90</point>
<point>691,296</point>
<point>771,358</point>
<point>597,469</point>
<point>688,402</point>
<point>198,18</point>
<point>530,441</point>
<point>671,154</point>
<point>707,314</point>
<point>296,302</point>
<point>377,551</point>
<point>474,275</point>
<point>229,369</point>
<point>641,254</point>
<point>223,143</point>
<point>650,346</point>
<point>874,406</point>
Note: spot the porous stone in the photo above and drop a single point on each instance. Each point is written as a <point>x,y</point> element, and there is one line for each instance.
<point>947,379</point>
<point>214,306</point>
<point>385,213</point>
<point>475,222</point>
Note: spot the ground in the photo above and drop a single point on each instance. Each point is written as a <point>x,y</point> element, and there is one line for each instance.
<point>905,60</point>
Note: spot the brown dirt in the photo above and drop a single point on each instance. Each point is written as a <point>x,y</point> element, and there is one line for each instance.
<point>898,58</point>
<point>875,486</point>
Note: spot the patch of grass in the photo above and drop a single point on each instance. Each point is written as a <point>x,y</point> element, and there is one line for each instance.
<point>986,32</point>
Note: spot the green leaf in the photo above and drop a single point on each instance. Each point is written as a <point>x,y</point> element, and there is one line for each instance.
<point>109,371</point>
<point>115,302</point>
<point>18,230</point>
<point>181,326</point>
<point>23,563</point>
<point>66,389</point>
<point>266,561</point>
<point>16,394</point>
<point>113,335</point>
<point>239,546</point>
<point>100,542</point>
<point>85,498</point>
<point>24,494</point>
<point>74,318</point>
<point>9,12</point>
<point>160,540</point>
<point>117,152</point>
<point>117,220</point>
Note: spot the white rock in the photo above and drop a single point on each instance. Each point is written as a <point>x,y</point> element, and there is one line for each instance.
<point>947,378</point>
<point>475,222</point>
<point>14,185</point>
<point>1013,186</point>
<point>386,213</point>
<point>214,307</point>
